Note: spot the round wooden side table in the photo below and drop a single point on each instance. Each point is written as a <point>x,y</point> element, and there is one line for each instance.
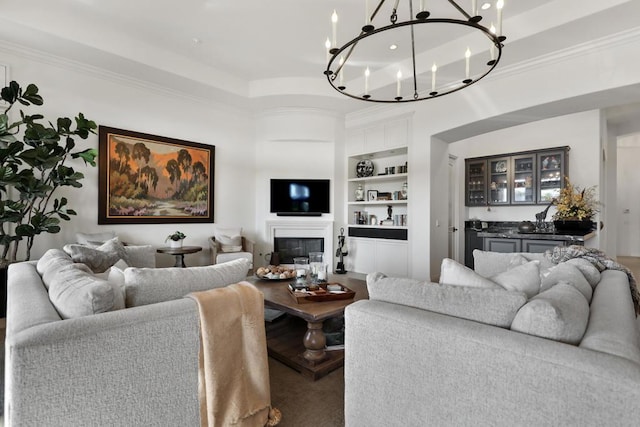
<point>179,253</point>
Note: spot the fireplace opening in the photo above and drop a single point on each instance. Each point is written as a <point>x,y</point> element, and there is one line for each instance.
<point>290,247</point>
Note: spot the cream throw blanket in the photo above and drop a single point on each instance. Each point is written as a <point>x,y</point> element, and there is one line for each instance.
<point>234,371</point>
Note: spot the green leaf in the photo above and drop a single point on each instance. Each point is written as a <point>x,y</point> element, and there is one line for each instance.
<point>31,95</point>
<point>25,230</point>
<point>89,156</point>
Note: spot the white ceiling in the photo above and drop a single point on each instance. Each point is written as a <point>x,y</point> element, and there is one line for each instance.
<point>250,51</point>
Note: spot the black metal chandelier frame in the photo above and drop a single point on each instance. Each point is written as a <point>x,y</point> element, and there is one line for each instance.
<point>422,17</point>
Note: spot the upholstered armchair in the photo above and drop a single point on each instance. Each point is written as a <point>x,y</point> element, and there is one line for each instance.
<point>228,244</point>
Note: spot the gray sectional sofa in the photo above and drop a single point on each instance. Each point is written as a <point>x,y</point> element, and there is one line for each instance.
<point>420,353</point>
<point>76,357</point>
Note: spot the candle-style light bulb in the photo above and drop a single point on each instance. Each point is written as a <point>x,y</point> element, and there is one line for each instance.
<point>398,84</point>
<point>474,7</point>
<point>422,5</point>
<point>366,81</point>
<point>433,77</point>
<point>341,71</point>
<point>334,27</point>
<point>467,57</point>
<point>367,17</point>
<point>493,45</point>
<point>327,45</point>
<point>499,7</point>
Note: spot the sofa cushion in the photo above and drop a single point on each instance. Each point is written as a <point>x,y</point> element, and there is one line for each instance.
<point>588,270</point>
<point>143,256</point>
<point>76,292</point>
<point>151,285</point>
<point>524,278</point>
<point>50,263</point>
<point>489,264</point>
<point>454,273</point>
<point>493,306</point>
<point>612,325</point>
<point>560,313</point>
<point>567,273</point>
<point>98,259</point>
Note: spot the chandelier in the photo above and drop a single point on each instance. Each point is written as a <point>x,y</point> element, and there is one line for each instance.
<point>434,53</point>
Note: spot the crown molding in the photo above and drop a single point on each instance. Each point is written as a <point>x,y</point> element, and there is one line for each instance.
<point>101,73</point>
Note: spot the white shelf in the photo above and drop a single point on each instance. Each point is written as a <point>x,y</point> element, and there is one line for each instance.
<point>380,202</point>
<point>396,227</point>
<point>380,154</point>
<point>380,178</point>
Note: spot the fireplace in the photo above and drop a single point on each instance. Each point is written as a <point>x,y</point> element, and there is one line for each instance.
<point>290,247</point>
<point>299,236</point>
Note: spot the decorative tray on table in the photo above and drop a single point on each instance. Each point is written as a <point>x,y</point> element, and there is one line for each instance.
<point>325,292</point>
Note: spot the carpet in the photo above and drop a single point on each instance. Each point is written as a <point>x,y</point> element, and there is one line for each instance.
<point>306,403</point>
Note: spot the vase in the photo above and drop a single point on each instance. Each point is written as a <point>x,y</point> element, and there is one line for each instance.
<point>573,226</point>
<point>359,193</point>
<point>175,243</point>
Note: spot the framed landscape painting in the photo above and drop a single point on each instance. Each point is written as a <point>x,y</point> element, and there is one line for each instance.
<point>150,179</point>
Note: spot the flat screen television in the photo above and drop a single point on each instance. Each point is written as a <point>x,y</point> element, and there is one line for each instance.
<point>293,197</point>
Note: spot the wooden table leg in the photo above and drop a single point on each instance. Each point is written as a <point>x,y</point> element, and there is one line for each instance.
<point>180,261</point>
<point>314,342</point>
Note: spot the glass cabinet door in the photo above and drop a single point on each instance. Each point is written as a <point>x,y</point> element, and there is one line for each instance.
<point>499,181</point>
<point>523,190</point>
<point>476,183</point>
<point>551,170</point>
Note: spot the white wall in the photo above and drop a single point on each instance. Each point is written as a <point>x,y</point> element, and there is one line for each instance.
<point>628,206</point>
<point>294,143</point>
<point>69,88</point>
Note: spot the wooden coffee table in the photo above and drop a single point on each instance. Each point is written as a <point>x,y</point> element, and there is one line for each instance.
<point>296,344</point>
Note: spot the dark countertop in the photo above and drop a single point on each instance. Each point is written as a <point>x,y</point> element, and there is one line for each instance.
<point>509,230</point>
<point>515,234</point>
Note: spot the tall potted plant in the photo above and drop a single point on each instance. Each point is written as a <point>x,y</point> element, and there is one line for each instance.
<point>33,165</point>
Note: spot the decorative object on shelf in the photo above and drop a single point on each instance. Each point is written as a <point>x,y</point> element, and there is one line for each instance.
<point>175,239</point>
<point>575,208</point>
<point>359,193</point>
<point>405,191</point>
<point>384,196</point>
<point>341,253</point>
<point>501,166</point>
<point>364,168</point>
<point>372,195</point>
<point>410,31</point>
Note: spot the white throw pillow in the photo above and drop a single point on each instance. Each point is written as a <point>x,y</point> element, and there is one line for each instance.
<point>98,259</point>
<point>570,274</point>
<point>229,239</point>
<point>143,256</point>
<point>76,292</point>
<point>588,270</point>
<point>488,264</point>
<point>94,239</point>
<point>524,278</point>
<point>454,273</point>
<point>560,313</point>
<point>152,285</point>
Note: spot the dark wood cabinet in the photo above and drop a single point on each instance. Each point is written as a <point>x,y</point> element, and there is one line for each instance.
<point>498,244</point>
<point>476,183</point>
<point>526,178</point>
<point>552,169</point>
<point>499,180</point>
